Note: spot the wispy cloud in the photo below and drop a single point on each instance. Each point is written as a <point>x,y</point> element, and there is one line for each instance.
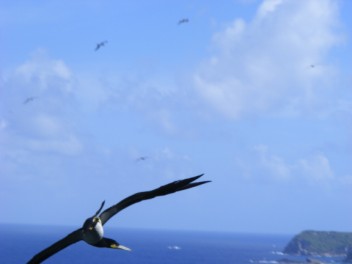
<point>273,164</point>
<point>264,165</point>
<point>316,168</point>
<point>41,125</point>
<point>73,107</point>
<point>267,7</point>
<point>264,66</point>
<point>45,73</point>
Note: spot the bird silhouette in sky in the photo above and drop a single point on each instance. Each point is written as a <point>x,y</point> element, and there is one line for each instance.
<point>142,158</point>
<point>183,20</point>
<point>29,99</point>
<point>100,44</point>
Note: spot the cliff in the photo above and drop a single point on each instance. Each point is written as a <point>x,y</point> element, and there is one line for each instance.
<point>323,243</point>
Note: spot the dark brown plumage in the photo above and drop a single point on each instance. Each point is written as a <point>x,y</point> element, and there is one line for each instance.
<point>92,229</point>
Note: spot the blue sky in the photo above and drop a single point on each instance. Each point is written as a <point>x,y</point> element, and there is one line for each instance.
<point>255,94</point>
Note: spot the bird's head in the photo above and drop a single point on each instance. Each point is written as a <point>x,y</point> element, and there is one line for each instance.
<point>91,222</point>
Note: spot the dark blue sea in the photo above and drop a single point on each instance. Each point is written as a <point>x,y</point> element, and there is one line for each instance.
<point>19,243</point>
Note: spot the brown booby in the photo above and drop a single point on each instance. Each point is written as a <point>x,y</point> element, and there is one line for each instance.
<point>92,231</point>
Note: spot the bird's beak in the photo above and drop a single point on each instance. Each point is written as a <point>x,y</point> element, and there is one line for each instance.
<point>121,247</point>
<point>124,248</point>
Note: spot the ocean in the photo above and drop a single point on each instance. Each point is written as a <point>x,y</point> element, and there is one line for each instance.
<point>19,243</point>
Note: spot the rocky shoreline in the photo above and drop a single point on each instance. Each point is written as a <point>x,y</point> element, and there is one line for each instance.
<point>317,244</point>
<point>308,260</point>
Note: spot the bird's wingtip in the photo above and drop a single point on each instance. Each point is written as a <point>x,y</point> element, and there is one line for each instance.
<point>198,176</point>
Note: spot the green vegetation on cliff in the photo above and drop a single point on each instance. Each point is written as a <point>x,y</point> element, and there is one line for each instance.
<point>320,243</point>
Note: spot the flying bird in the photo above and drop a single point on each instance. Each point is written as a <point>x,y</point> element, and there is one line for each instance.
<point>100,44</point>
<point>183,20</point>
<point>142,158</point>
<point>29,99</point>
<point>92,231</point>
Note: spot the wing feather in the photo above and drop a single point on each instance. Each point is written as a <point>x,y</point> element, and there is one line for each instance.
<point>70,239</point>
<point>138,197</point>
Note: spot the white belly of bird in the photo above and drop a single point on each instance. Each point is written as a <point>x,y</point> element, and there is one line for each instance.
<point>94,236</point>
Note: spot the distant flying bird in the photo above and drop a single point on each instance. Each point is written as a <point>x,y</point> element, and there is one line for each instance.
<point>100,44</point>
<point>142,158</point>
<point>314,65</point>
<point>92,230</point>
<point>29,99</point>
<point>183,20</point>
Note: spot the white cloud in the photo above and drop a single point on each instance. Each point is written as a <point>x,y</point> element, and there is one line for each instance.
<point>46,73</point>
<point>263,66</point>
<point>227,39</point>
<point>41,125</point>
<point>47,125</point>
<point>66,145</point>
<point>163,117</point>
<point>70,106</point>
<point>51,134</point>
<point>263,164</point>
<point>274,164</point>
<point>268,6</point>
<point>316,168</point>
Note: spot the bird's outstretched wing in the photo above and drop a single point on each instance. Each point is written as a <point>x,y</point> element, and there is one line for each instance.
<point>29,99</point>
<point>70,239</point>
<point>163,190</point>
<point>100,44</point>
<point>183,20</point>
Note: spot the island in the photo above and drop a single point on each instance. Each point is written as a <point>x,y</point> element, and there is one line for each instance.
<point>320,243</point>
